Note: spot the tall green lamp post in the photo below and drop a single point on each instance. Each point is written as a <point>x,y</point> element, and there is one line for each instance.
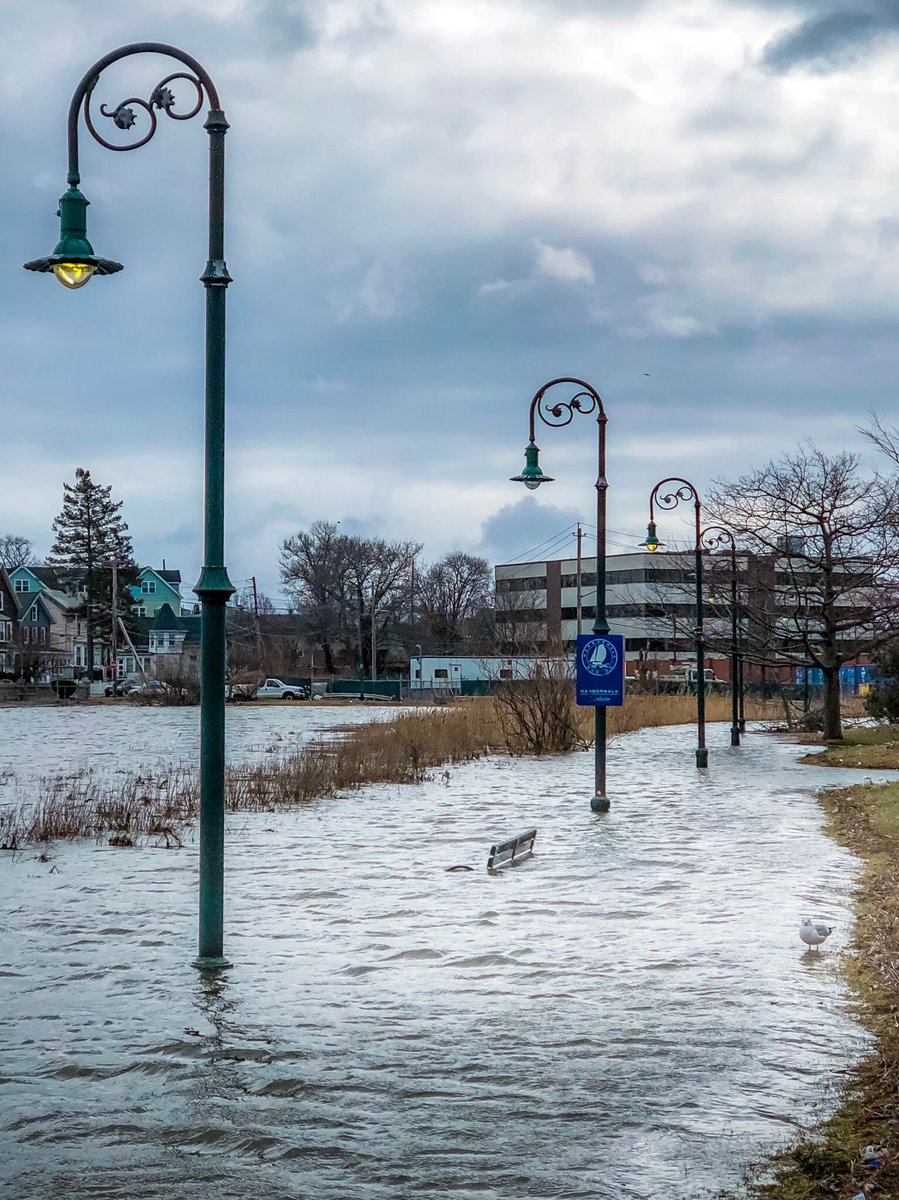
<point>74,264</point>
<point>686,491</point>
<point>561,412</point>
<point>713,537</point>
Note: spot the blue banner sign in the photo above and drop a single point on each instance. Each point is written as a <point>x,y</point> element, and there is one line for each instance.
<point>851,675</point>
<point>600,669</point>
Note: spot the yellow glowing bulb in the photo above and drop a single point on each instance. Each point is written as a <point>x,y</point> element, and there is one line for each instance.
<point>73,275</point>
<point>651,546</point>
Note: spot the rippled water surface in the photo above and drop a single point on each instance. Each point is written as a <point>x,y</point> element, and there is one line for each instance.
<point>630,1014</point>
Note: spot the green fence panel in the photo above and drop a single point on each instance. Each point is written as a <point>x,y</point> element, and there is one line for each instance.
<point>392,689</point>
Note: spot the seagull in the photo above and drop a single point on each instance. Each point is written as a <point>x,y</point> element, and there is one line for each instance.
<point>813,933</point>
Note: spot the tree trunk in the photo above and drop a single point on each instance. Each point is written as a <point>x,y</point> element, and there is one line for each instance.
<point>833,728</point>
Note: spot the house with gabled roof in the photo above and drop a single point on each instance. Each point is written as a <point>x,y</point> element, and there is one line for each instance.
<point>161,644</point>
<point>9,623</point>
<point>156,587</point>
<point>38,655</point>
<point>61,613</point>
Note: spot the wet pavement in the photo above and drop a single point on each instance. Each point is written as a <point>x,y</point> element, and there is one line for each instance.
<point>630,1014</point>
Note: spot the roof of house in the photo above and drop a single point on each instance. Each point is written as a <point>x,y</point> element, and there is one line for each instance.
<point>167,620</point>
<point>25,600</point>
<point>53,577</point>
<point>164,574</point>
<point>6,589</point>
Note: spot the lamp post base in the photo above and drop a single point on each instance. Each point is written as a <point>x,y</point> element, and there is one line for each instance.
<point>211,963</point>
<point>735,735</point>
<point>600,804</point>
<point>702,757</point>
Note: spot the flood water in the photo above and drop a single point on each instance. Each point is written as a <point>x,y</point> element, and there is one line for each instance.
<point>628,1015</point>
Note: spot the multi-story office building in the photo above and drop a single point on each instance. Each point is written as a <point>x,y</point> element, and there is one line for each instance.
<point>651,603</point>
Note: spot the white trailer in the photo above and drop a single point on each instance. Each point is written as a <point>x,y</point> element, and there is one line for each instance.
<point>428,672</point>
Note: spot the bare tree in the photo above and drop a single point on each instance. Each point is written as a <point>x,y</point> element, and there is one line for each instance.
<point>379,580</point>
<point>16,551</point>
<point>823,578</point>
<point>341,583</point>
<point>453,591</point>
<point>313,569</point>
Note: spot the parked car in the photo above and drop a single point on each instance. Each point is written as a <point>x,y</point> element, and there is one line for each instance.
<point>121,687</point>
<point>282,689</point>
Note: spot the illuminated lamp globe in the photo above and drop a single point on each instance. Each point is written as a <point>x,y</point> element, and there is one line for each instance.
<point>73,274</point>
<point>73,261</point>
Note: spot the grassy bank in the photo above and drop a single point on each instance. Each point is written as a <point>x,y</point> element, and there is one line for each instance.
<point>873,747</point>
<point>160,808</point>
<point>866,819</point>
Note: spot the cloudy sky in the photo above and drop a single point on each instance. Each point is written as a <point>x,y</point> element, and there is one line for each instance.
<point>433,207</point>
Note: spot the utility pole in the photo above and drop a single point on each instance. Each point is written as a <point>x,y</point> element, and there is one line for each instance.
<point>115,624</point>
<point>256,620</point>
<point>374,643</point>
<point>580,607</point>
<point>412,605</point>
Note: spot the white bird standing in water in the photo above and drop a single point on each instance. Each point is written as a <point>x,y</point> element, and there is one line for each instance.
<point>813,933</point>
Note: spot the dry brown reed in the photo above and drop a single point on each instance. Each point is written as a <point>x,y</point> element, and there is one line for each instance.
<point>158,809</point>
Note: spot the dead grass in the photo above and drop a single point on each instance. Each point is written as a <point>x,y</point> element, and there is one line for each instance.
<point>160,809</point>
<point>865,818</point>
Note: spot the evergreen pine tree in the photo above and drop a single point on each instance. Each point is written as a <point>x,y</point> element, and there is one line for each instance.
<point>90,534</point>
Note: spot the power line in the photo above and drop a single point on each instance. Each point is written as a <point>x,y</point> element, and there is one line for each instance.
<point>547,544</point>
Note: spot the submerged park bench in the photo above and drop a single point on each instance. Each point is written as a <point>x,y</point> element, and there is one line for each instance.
<point>506,854</point>
<point>512,852</point>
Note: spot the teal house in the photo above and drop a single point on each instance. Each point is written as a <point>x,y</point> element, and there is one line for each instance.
<point>156,588</point>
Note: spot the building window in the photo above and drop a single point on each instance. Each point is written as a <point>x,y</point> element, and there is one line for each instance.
<point>139,610</point>
<point>505,673</point>
<point>23,585</point>
<point>588,579</point>
<point>148,587</point>
<point>532,583</point>
<point>1,602</point>
<point>33,614</point>
<point>441,673</point>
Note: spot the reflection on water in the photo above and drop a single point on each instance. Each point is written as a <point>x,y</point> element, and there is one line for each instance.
<point>630,1014</point>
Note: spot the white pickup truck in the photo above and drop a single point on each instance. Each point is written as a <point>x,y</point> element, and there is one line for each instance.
<point>282,689</point>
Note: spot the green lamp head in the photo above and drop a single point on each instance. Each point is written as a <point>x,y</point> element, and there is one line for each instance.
<point>73,261</point>
<point>652,542</point>
<point>531,476</point>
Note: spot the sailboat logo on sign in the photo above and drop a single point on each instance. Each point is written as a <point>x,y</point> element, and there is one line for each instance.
<point>599,656</point>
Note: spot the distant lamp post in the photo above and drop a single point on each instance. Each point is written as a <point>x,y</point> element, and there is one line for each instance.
<point>586,400</point>
<point>713,537</point>
<point>74,264</point>
<point>686,491</point>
